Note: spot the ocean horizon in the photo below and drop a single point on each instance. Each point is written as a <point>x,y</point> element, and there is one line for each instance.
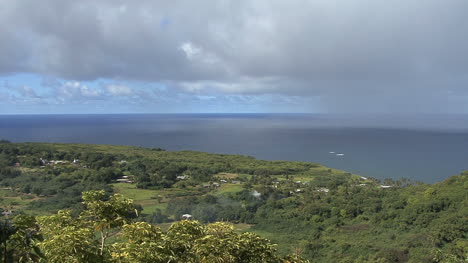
<point>426,148</point>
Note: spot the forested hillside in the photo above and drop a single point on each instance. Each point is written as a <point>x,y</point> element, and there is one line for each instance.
<point>310,211</point>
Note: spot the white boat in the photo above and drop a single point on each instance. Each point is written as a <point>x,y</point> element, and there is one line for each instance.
<point>339,154</point>
<point>332,152</point>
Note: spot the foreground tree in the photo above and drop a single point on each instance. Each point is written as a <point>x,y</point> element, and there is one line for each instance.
<point>18,239</point>
<point>85,238</point>
<point>190,241</point>
<point>67,239</point>
<point>106,215</point>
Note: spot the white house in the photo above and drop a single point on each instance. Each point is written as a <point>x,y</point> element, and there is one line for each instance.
<point>186,216</point>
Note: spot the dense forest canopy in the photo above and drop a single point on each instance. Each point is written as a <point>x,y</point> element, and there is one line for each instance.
<point>125,204</point>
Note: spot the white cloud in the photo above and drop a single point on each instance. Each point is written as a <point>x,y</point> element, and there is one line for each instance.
<point>196,53</point>
<point>119,90</point>
<point>190,50</point>
<point>74,90</point>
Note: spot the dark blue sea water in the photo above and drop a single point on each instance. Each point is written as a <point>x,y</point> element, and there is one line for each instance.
<point>424,148</point>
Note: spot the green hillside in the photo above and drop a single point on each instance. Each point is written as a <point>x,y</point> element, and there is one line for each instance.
<point>319,213</point>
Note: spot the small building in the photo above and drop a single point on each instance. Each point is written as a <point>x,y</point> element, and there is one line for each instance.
<point>124,180</point>
<point>215,184</point>
<point>181,177</point>
<point>235,182</point>
<point>223,181</point>
<point>256,194</point>
<point>44,162</point>
<point>17,164</point>
<point>76,161</point>
<point>385,186</point>
<point>186,216</point>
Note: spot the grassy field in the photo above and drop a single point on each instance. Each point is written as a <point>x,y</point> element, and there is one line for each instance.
<point>151,200</point>
<point>148,199</point>
<point>15,201</point>
<point>228,188</point>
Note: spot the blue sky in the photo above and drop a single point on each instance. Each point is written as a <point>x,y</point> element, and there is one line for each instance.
<point>325,56</point>
<point>33,93</point>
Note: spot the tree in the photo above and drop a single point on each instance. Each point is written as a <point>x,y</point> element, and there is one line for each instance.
<point>145,243</point>
<point>106,214</point>
<point>74,238</point>
<point>18,238</point>
<point>67,239</point>
<point>6,231</point>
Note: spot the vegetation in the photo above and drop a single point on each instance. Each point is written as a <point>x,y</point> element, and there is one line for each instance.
<point>66,238</point>
<point>310,211</point>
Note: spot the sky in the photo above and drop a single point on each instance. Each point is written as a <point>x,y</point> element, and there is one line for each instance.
<point>183,56</point>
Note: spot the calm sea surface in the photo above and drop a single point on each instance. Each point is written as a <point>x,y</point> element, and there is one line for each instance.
<point>427,148</point>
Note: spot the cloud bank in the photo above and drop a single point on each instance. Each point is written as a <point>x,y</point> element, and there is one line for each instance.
<point>344,56</point>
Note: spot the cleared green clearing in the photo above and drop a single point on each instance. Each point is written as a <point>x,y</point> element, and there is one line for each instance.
<point>13,200</point>
<point>148,199</point>
<point>242,227</point>
<point>228,188</point>
<point>130,191</point>
<point>226,175</point>
<point>144,197</point>
<point>149,208</point>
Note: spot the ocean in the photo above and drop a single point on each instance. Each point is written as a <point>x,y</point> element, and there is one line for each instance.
<point>427,148</point>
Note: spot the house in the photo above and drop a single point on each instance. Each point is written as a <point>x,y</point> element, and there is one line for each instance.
<point>223,181</point>
<point>44,162</point>
<point>76,161</point>
<point>256,194</point>
<point>385,186</point>
<point>181,177</point>
<point>299,191</point>
<point>124,179</point>
<point>186,216</point>
<point>17,164</point>
<point>215,184</point>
